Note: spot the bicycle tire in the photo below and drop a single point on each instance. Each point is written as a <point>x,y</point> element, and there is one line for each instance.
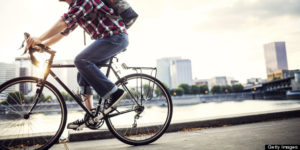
<point>147,130</point>
<point>37,138</point>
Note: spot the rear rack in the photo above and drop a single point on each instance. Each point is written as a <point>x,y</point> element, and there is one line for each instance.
<point>140,69</point>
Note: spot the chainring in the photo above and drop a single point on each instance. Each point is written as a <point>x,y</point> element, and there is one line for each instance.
<point>90,123</point>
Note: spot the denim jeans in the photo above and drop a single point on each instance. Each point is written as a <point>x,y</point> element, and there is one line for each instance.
<point>100,51</point>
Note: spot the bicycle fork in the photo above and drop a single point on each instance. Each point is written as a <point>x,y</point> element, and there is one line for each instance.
<point>40,87</point>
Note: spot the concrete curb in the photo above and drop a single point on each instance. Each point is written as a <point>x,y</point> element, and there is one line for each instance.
<point>217,122</point>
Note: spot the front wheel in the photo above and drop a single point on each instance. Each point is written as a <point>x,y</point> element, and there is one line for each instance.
<point>38,130</point>
<point>144,114</point>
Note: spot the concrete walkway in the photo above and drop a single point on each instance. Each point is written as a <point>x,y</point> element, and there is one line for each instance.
<point>247,137</point>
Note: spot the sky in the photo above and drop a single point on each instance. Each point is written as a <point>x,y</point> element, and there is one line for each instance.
<point>220,37</point>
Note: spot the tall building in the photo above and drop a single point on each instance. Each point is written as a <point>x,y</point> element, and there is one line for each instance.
<point>8,71</point>
<point>24,68</point>
<point>181,72</point>
<point>275,57</point>
<point>163,70</point>
<point>173,71</point>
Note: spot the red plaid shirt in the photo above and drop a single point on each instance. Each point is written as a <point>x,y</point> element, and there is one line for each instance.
<point>98,27</point>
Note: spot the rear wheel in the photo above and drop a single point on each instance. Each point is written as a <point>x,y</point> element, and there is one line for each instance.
<point>38,130</point>
<point>144,114</point>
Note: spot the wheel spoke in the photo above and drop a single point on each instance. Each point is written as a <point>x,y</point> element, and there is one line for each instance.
<point>36,130</point>
<point>152,110</point>
<point>12,106</point>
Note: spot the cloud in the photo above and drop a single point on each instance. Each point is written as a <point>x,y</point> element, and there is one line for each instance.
<point>264,9</point>
<point>251,16</point>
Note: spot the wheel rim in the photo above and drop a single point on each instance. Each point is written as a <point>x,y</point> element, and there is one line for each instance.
<point>155,112</point>
<point>37,130</point>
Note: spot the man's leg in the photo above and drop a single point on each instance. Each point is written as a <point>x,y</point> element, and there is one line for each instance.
<point>87,97</point>
<point>100,51</point>
<point>85,92</point>
<point>88,101</point>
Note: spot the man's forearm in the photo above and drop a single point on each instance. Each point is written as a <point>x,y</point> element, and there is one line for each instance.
<point>52,40</point>
<point>57,28</point>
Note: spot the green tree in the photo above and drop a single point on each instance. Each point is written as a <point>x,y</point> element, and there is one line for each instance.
<point>158,90</point>
<point>66,96</point>
<point>203,88</point>
<point>177,92</point>
<point>42,98</point>
<point>226,89</point>
<point>48,98</point>
<point>237,88</point>
<point>186,88</point>
<point>148,90</point>
<point>216,89</point>
<point>195,89</point>
<point>132,92</point>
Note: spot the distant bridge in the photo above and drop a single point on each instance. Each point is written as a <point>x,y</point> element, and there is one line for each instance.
<point>276,89</point>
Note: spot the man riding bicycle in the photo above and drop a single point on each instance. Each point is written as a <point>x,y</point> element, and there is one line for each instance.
<point>110,39</point>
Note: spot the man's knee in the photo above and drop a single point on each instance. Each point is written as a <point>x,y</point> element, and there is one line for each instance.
<point>79,61</point>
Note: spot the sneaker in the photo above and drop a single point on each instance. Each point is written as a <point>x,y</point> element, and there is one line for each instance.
<point>116,97</point>
<point>76,124</point>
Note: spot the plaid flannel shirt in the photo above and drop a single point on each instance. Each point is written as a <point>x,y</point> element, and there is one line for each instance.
<point>98,27</point>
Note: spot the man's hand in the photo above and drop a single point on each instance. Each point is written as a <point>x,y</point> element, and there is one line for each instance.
<point>32,41</point>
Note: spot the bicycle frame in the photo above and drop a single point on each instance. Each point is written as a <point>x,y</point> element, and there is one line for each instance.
<point>48,71</point>
<point>109,67</point>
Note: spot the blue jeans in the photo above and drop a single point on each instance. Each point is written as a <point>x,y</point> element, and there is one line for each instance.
<point>99,51</point>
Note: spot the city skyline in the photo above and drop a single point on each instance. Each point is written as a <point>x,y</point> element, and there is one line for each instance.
<point>221,38</point>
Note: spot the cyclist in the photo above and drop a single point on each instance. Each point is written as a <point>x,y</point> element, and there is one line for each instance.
<point>110,39</point>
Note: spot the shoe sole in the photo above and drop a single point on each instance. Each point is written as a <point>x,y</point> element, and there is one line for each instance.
<point>117,102</point>
<point>77,128</point>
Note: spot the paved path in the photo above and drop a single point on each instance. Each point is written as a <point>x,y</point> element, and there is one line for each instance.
<point>246,137</point>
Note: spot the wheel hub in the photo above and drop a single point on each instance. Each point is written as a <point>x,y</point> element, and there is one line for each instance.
<point>139,109</point>
<point>26,116</point>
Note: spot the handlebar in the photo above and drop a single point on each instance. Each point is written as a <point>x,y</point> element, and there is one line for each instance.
<point>41,48</point>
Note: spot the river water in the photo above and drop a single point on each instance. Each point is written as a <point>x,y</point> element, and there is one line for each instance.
<point>202,111</point>
<point>184,111</point>
<point>192,111</point>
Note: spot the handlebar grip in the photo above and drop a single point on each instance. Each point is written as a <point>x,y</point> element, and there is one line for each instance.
<point>26,35</point>
<point>31,50</point>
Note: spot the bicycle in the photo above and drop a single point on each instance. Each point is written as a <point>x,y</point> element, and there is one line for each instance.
<point>30,104</point>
